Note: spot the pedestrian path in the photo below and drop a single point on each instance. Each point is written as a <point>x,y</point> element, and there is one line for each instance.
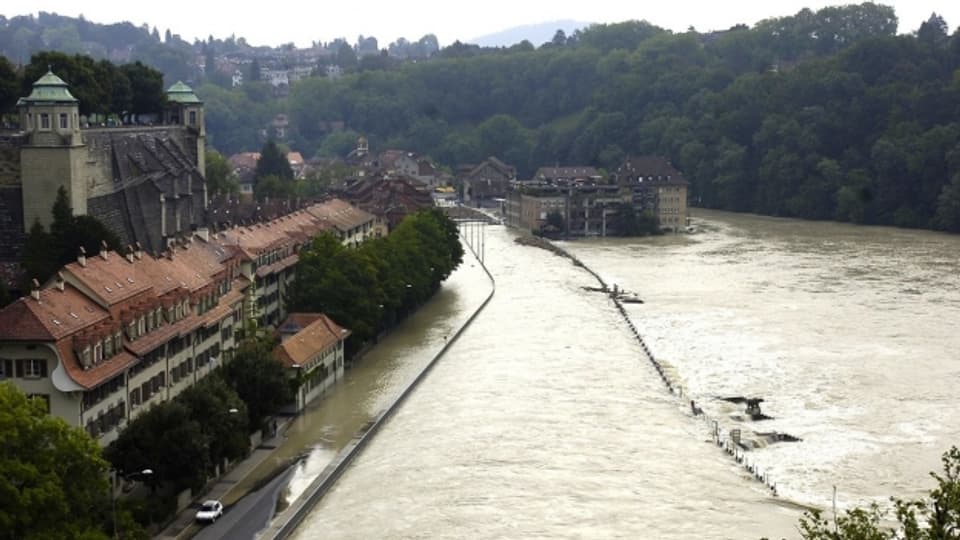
<point>226,487</point>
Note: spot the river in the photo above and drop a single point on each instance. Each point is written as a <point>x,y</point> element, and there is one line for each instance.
<point>543,421</point>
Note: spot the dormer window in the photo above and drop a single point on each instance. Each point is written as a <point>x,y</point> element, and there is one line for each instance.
<point>117,341</point>
<point>132,331</point>
<point>108,347</point>
<point>97,352</point>
<point>85,357</point>
<point>142,326</point>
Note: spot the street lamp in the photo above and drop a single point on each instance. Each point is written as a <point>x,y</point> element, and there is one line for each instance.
<point>113,493</point>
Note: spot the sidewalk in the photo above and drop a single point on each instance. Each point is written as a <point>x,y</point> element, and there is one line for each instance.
<point>225,489</point>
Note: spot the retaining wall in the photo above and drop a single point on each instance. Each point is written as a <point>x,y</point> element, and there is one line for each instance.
<point>287,522</point>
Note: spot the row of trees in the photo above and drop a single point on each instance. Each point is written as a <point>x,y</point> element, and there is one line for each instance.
<point>372,287</point>
<point>101,87</point>
<point>183,440</point>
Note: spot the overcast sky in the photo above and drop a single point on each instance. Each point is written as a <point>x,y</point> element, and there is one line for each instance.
<point>269,23</point>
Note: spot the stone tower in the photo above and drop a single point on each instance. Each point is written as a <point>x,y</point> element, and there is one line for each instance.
<point>53,155</point>
<point>184,108</point>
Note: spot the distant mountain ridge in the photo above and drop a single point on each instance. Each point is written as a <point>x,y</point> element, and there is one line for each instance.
<point>536,34</point>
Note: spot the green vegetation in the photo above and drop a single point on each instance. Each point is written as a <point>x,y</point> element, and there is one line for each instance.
<point>259,380</point>
<point>217,175</point>
<point>101,87</point>
<point>182,440</point>
<point>936,517</point>
<point>370,288</point>
<point>46,252</point>
<point>53,480</point>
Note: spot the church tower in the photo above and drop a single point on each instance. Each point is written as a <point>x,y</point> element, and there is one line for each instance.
<point>54,153</point>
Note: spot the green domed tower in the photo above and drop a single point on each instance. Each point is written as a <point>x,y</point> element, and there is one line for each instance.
<point>185,108</point>
<point>54,153</point>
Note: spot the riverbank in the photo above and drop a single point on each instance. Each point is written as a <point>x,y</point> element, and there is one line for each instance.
<point>290,518</point>
<point>310,441</point>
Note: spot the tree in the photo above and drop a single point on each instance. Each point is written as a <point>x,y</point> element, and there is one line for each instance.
<point>259,380</point>
<point>53,480</point>
<point>273,162</point>
<point>217,174</point>
<point>935,517</point>
<point>167,440</point>
<point>254,74</point>
<point>146,84</point>
<point>346,57</point>
<point>9,85</point>
<point>222,417</point>
<point>40,258</point>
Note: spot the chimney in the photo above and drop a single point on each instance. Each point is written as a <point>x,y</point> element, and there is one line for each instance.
<point>82,258</point>
<point>129,255</point>
<point>103,249</point>
<point>35,291</point>
<point>60,281</point>
<point>138,252</point>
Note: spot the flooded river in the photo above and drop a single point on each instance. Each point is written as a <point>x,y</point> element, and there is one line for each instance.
<point>544,421</point>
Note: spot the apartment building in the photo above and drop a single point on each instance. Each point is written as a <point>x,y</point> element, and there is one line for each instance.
<point>114,333</point>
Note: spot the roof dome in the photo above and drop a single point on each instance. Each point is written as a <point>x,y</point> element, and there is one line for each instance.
<point>181,93</point>
<point>48,89</point>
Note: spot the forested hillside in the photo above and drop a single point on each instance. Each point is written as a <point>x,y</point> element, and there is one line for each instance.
<point>823,115</point>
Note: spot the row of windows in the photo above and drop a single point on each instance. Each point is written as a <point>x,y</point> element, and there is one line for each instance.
<point>24,368</point>
<point>107,420</point>
<point>102,392</point>
<point>64,120</point>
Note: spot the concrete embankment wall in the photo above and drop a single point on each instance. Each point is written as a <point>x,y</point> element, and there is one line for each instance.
<point>728,441</point>
<point>287,522</point>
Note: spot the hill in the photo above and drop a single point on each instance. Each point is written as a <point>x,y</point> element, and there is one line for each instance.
<point>536,34</point>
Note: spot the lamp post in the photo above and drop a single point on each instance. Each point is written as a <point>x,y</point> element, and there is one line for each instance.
<point>113,493</point>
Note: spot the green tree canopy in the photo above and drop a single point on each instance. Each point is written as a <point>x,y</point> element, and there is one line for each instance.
<point>217,174</point>
<point>169,441</point>
<point>259,380</point>
<point>53,480</point>
<point>273,162</point>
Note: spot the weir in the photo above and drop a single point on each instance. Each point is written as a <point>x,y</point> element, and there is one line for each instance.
<point>730,442</point>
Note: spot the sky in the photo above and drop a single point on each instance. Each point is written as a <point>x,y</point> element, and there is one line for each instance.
<point>265,23</point>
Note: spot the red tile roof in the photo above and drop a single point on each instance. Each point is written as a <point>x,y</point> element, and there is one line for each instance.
<point>56,315</point>
<point>299,348</point>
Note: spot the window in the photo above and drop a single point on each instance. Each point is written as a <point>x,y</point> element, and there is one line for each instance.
<point>44,121</point>
<point>193,118</point>
<point>142,325</point>
<point>34,368</point>
<point>117,342</point>
<point>64,121</point>
<point>132,331</point>
<point>134,398</point>
<point>97,352</point>
<point>6,368</point>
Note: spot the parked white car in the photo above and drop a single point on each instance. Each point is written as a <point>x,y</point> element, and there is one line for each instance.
<point>210,511</point>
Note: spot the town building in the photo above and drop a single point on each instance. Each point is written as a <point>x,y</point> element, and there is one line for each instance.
<point>114,333</point>
<point>586,204</point>
<point>484,183</point>
<point>311,348</point>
